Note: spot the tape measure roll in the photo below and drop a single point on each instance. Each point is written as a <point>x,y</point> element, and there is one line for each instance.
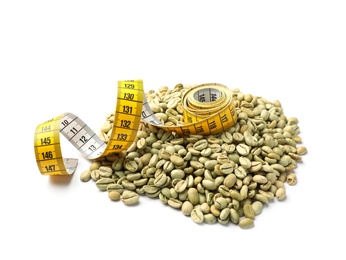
<point>208,109</point>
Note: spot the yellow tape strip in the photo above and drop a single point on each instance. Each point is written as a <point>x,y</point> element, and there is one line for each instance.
<point>126,124</point>
<point>208,109</point>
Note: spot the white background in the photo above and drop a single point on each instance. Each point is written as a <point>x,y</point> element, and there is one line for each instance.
<point>67,56</point>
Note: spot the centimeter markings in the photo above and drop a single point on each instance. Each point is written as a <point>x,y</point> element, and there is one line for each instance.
<point>207,95</point>
<point>127,119</point>
<point>148,115</point>
<point>47,148</point>
<point>212,111</point>
<point>81,136</point>
<point>203,98</point>
<point>127,116</point>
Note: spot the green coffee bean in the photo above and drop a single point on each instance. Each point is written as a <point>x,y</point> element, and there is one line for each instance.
<point>95,175</point>
<point>230,180</point>
<point>85,175</point>
<point>193,196</point>
<point>103,183</point>
<point>177,160</point>
<point>187,208</point>
<point>197,216</point>
<point>220,203</point>
<point>223,190</point>
<point>249,212</point>
<point>259,178</point>
<point>227,168</point>
<point>200,145</point>
<point>234,216</point>
<point>257,207</point>
<point>227,137</point>
<point>180,186</point>
<point>133,176</point>
<point>224,214</point>
<point>214,210</point>
<point>246,223</point>
<point>261,198</point>
<point>280,194</point>
<point>205,208</point>
<point>94,166</point>
<point>129,197</point>
<point>115,187</point>
<point>175,203</point>
<point>177,174</point>
<point>209,184</point>
<point>291,179</point>
<point>160,180</point>
<point>114,195</point>
<point>209,218</point>
<point>234,194</point>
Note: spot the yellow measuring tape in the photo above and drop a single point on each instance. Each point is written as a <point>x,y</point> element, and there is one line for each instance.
<point>208,109</point>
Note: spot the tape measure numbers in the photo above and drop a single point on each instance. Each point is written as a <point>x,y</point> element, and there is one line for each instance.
<point>208,109</point>
<point>126,123</point>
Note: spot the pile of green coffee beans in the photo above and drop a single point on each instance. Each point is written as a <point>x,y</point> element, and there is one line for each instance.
<point>224,178</point>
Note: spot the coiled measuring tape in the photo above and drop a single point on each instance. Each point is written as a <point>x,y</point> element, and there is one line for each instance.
<point>208,109</point>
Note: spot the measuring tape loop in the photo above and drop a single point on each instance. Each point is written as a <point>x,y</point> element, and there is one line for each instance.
<point>207,109</point>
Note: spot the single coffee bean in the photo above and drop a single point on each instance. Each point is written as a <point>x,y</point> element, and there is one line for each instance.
<point>246,223</point>
<point>114,195</point>
<point>103,183</point>
<point>280,194</point>
<point>291,179</point>
<point>197,216</point>
<point>85,175</point>
<point>187,208</point>
<point>175,203</point>
<point>249,212</point>
<point>129,197</point>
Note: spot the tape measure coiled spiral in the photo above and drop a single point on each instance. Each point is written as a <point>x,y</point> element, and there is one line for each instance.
<point>208,109</point>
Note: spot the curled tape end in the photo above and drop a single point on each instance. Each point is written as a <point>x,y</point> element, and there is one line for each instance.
<point>70,165</point>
